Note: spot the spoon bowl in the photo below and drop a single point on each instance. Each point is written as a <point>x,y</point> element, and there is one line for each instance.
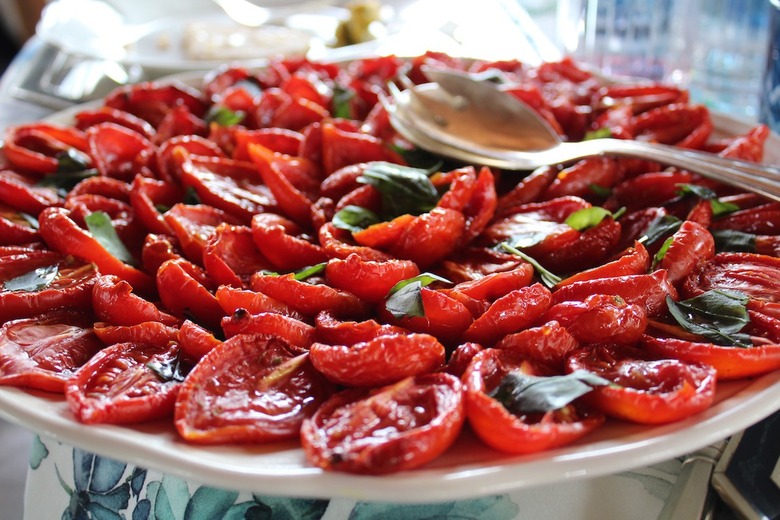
<point>469,117</point>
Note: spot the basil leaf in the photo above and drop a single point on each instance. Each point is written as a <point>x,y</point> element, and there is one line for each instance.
<point>662,251</point>
<point>31,221</point>
<point>308,272</point>
<point>732,240</point>
<point>99,224</point>
<point>223,116</point>
<point>522,393</point>
<point>403,189</point>
<point>601,133</point>
<point>587,218</point>
<point>718,207</point>
<point>660,227</point>
<point>191,197</point>
<point>65,180</point>
<point>405,298</point>
<point>548,278</point>
<point>171,370</point>
<point>718,315</point>
<point>600,190</point>
<point>354,218</point>
<point>34,280</point>
<point>342,101</point>
<point>72,160</point>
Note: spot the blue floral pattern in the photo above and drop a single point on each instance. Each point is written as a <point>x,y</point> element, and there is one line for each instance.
<point>91,487</point>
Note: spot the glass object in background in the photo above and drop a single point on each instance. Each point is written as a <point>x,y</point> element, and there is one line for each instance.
<point>636,38</point>
<point>715,48</point>
<point>770,94</point>
<point>728,41</point>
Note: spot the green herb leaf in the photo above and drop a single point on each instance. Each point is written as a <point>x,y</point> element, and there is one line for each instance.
<point>600,190</point>
<point>191,197</point>
<point>171,370</point>
<point>718,315</point>
<point>521,393</point>
<point>548,278</point>
<point>65,180</point>
<point>342,101</point>
<point>659,228</point>
<point>404,299</point>
<point>99,224</point>
<point>601,133</point>
<point>72,160</point>
<point>587,218</point>
<point>223,116</point>
<point>662,251</point>
<point>34,280</point>
<point>718,207</point>
<point>308,272</point>
<point>403,189</point>
<point>354,218</point>
<point>732,240</point>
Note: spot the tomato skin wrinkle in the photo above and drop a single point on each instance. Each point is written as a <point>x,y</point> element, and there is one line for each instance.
<point>388,429</point>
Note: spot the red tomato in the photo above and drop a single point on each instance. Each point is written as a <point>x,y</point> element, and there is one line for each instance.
<point>62,234</point>
<point>15,228</point>
<point>21,193</point>
<point>147,195</point>
<point>645,391</point>
<point>692,245</point>
<point>510,313</point>
<point>336,243</point>
<point>195,341</point>
<point>760,220</point>
<point>252,388</point>
<point>71,287</point>
<point>635,260</point>
<point>115,148</point>
<point>753,274</point>
<point>422,245</point>
<point>379,361</point>
<point>548,344</point>
<point>492,286</point>
<point>232,299</point>
<point>648,190</point>
<point>368,280</point>
<point>114,303</point>
<point>297,333</point>
<point>394,428</point>
<point>284,243</point>
<point>117,385</point>
<point>332,331</point>
<point>151,332</point>
<point>294,181</point>
<point>600,318</point>
<point>36,147</point>
<point>307,298</point>
<point>234,187</point>
<point>42,352</point>
<point>341,148</point>
<point>579,179</point>
<point>152,101</point>
<point>443,316</point>
<point>646,290</point>
<point>729,362</point>
<point>678,124</point>
<point>230,256</point>
<point>194,225</point>
<point>88,118</point>
<point>182,291</point>
<point>504,431</point>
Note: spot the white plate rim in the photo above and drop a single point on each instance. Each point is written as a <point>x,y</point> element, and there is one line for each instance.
<point>281,469</point>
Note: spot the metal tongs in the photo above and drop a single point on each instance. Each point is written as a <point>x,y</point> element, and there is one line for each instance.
<point>468,117</point>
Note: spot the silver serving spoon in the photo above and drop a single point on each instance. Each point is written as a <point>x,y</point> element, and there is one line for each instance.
<point>467,117</point>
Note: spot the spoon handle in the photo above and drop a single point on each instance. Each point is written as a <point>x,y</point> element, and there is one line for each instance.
<point>762,179</point>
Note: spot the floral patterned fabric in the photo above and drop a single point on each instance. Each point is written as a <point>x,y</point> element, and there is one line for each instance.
<point>69,483</point>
